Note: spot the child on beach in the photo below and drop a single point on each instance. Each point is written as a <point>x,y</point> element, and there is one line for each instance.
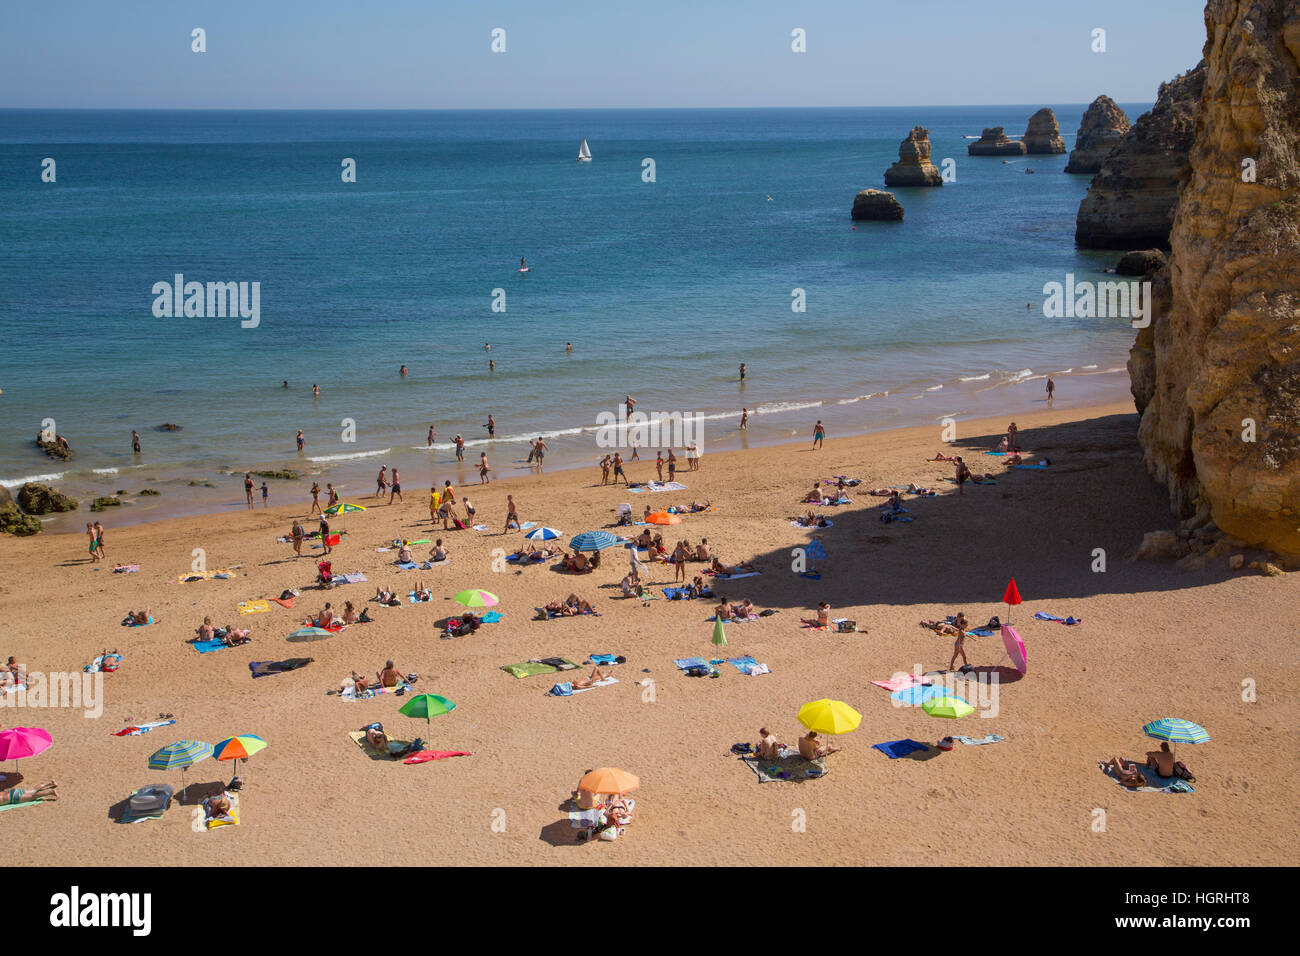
<point>266,493</point>
<point>99,540</point>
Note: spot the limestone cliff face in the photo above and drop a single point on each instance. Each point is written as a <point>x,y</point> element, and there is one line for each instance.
<point>994,142</point>
<point>1130,202</point>
<point>1102,127</point>
<point>1043,134</point>
<point>914,167</point>
<point>1224,346</point>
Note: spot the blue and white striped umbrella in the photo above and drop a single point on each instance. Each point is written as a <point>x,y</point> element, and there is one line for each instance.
<point>593,541</point>
<point>182,754</point>
<point>1176,731</point>
<point>543,534</point>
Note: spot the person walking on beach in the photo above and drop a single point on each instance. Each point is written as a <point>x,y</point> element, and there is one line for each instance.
<point>460,448</point>
<point>135,441</point>
<point>744,419</point>
<point>630,402</point>
<point>266,493</point>
<point>99,540</point>
<point>512,513</point>
<point>469,512</point>
<point>297,536</point>
<point>819,434</point>
<point>381,482</point>
<point>432,435</point>
<point>961,473</point>
<point>397,488</point>
<point>618,469</point>
<point>541,451</point>
<point>1051,387</point>
<point>482,468</point>
<point>248,490</point>
<point>325,534</point>
<point>94,542</point>
<point>959,645</point>
<point>659,465</point>
<point>604,470</point>
<point>315,499</point>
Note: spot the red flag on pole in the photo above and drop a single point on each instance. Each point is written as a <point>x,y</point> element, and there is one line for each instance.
<point>1012,595</point>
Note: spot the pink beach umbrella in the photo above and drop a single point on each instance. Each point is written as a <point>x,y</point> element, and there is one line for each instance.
<point>19,742</point>
<point>1015,648</point>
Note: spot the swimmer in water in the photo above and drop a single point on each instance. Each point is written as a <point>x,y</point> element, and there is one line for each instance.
<point>523,264</point>
<point>402,371</point>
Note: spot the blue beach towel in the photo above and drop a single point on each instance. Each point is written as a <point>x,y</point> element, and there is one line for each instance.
<point>1040,615</point>
<point>980,631</point>
<point>742,664</point>
<point>207,647</point>
<point>602,658</point>
<point>1031,467</point>
<point>491,617</point>
<point>407,565</point>
<point>686,662</point>
<point>893,749</point>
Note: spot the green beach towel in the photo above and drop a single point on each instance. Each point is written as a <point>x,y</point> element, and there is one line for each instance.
<point>532,668</point>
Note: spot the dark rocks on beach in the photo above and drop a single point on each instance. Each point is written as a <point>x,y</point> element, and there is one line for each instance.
<point>1140,262</point>
<point>876,204</point>
<point>914,167</point>
<point>149,492</point>
<point>1043,134</point>
<point>1104,124</point>
<point>167,428</point>
<point>285,475</point>
<point>54,449</point>
<point>1130,204</point>
<point>13,521</point>
<point>36,499</point>
<point>99,504</point>
<point>994,142</point>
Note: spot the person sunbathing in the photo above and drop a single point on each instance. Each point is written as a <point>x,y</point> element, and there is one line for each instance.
<point>814,496</point>
<point>138,617</point>
<point>942,457</point>
<point>349,613</point>
<point>578,564</point>
<point>378,738</point>
<point>16,795</point>
<point>810,748</point>
<point>582,683</point>
<point>696,506</point>
<point>617,811</point>
<point>580,605</point>
<point>386,597</point>
<point>559,609</point>
<point>404,555</point>
<point>769,748</point>
<point>1128,772</point>
<point>360,684</point>
<point>742,609</point>
<point>390,676</point>
<point>422,593</point>
<point>740,567</point>
<point>723,610</point>
<point>233,636</point>
<point>914,489</point>
<point>218,807</point>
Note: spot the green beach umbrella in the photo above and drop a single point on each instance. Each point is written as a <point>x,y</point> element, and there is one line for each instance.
<point>427,706</point>
<point>343,507</point>
<point>308,634</point>
<point>719,635</point>
<point>477,598</point>
<point>950,707</point>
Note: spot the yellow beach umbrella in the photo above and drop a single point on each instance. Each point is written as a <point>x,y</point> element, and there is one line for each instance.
<point>827,716</point>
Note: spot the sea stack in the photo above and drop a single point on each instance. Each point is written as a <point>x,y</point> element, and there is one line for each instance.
<point>878,205</point>
<point>914,167</point>
<point>1217,374</point>
<point>1103,126</point>
<point>1043,134</point>
<point>1131,200</point>
<point>994,142</point>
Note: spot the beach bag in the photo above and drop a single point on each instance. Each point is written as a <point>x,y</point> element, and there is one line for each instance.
<point>847,627</point>
<point>697,670</point>
<point>562,690</point>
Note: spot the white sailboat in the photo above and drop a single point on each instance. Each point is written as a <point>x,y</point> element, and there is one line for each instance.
<point>584,152</point>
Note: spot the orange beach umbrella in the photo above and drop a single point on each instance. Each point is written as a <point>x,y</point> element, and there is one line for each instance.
<point>609,780</point>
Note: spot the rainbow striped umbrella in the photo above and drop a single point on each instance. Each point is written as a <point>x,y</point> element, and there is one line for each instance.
<point>238,748</point>
<point>476,598</point>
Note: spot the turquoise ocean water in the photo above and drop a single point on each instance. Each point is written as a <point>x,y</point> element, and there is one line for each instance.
<point>663,287</point>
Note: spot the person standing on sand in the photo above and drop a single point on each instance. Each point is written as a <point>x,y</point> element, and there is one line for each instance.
<point>483,468</point>
<point>618,469</point>
<point>512,513</point>
<point>325,534</point>
<point>744,419</point>
<point>672,465</point>
<point>819,434</point>
<point>302,442</point>
<point>630,402</point>
<point>959,645</point>
<point>266,493</point>
<point>135,441</point>
<point>99,540</point>
<point>448,492</point>
<point>435,502</point>
<point>961,474</point>
<point>541,451</point>
<point>432,435</point>
<point>381,482</point>
<point>469,512</point>
<point>248,490</point>
<point>460,448</point>
<point>315,498</point>
<point>1012,444</point>
<point>333,498</point>
<point>94,542</point>
<point>1051,387</point>
<point>659,465</point>
<point>397,488</point>
<point>604,470</point>
<point>297,536</point>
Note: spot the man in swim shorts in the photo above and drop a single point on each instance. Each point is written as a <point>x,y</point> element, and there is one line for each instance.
<point>397,488</point>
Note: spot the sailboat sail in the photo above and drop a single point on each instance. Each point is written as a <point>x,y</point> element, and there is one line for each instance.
<point>584,152</point>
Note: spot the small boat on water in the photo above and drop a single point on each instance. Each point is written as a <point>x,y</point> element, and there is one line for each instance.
<point>584,152</point>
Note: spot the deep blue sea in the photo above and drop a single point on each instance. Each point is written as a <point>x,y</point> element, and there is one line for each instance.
<point>662,287</point>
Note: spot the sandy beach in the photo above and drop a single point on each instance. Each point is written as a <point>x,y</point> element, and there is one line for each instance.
<point>1154,641</point>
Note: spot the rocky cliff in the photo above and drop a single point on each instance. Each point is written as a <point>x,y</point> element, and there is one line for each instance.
<point>1043,134</point>
<point>994,142</point>
<point>1102,127</point>
<point>1130,202</point>
<point>914,167</point>
<point>1217,375</point>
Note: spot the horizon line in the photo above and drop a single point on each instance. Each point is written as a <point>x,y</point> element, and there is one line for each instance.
<point>501,109</point>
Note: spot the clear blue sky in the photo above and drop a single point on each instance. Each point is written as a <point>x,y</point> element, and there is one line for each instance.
<point>434,54</point>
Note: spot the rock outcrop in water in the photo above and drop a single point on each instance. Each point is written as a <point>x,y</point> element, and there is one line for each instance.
<point>1043,134</point>
<point>37,499</point>
<point>877,204</point>
<point>914,167</point>
<point>55,449</point>
<point>994,142</point>
<point>1217,375</point>
<point>1103,126</point>
<point>1131,200</point>
<point>1140,262</point>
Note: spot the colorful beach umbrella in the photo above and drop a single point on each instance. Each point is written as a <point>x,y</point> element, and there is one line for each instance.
<point>476,598</point>
<point>827,716</point>
<point>19,742</point>
<point>1015,648</point>
<point>662,517</point>
<point>609,780</point>
<point>1175,731</point>
<point>543,534</point>
<point>1011,596</point>
<point>238,748</point>
<point>343,507</point>
<point>593,541</point>
<point>308,634</point>
<point>182,754</point>
<point>719,635</point>
<point>427,706</point>
<point>949,707</point>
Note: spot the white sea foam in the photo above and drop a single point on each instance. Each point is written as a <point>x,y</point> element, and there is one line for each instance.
<point>358,454</point>
<point>772,408</point>
<point>15,482</point>
<point>1023,374</point>
<point>1089,366</point>
<point>104,471</point>
<point>975,378</point>
<point>934,388</point>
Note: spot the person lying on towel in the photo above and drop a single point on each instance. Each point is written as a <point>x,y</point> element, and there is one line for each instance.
<point>422,593</point>
<point>582,683</point>
<point>740,567</point>
<point>386,597</point>
<point>378,739</point>
<point>1127,771</point>
<point>218,807</point>
<point>138,618</point>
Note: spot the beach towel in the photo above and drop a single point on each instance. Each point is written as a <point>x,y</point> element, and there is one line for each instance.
<point>735,620</point>
<point>550,615</point>
<point>416,600</point>
<point>283,602</point>
<point>800,524</point>
<point>424,756</point>
<point>972,742</point>
<point>1060,620</point>
<point>791,768</point>
<point>980,631</point>
<point>1031,467</point>
<point>893,749</point>
<point>20,803</point>
<point>254,607</point>
<point>107,663</point>
<point>359,738</point>
<point>126,569</point>
<point>127,622</point>
<point>684,594</point>
<point>747,665</point>
<point>406,565</point>
<point>685,663</point>
<point>972,481</point>
<point>528,526</point>
<point>602,659</point>
<point>480,527</point>
<point>136,731</point>
<point>600,683</point>
<point>532,668</point>
<point>1154,782</point>
<point>207,647</point>
<point>356,577</point>
<point>898,683</point>
<point>585,819</point>
<point>266,668</point>
<point>349,692</point>
<point>735,577</point>
<point>491,617</point>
